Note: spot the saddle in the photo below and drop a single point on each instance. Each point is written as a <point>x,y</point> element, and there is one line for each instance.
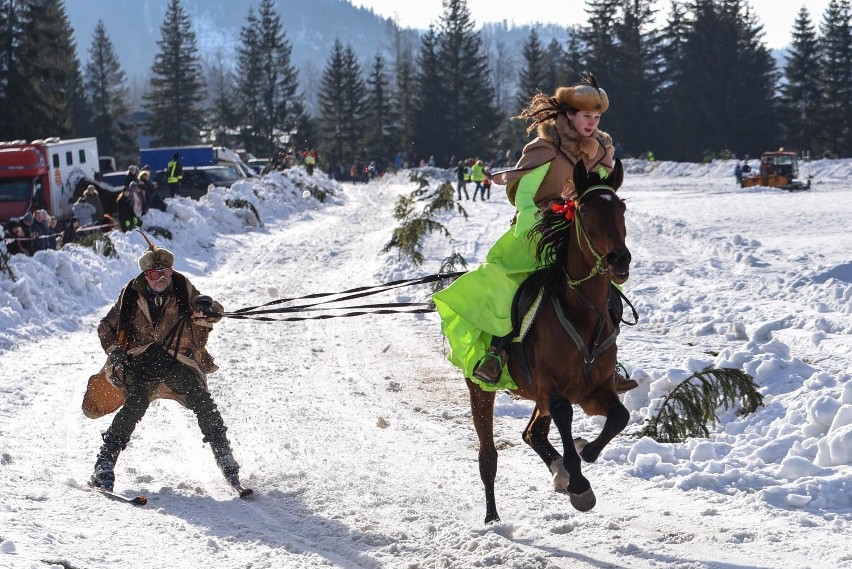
<point>526,305</point>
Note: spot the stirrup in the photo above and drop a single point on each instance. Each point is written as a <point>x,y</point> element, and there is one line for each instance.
<point>490,367</point>
<point>623,383</point>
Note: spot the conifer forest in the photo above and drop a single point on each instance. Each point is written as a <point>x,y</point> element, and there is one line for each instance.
<point>702,85</point>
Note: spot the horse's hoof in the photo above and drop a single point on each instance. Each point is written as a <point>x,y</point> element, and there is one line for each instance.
<point>579,445</point>
<point>561,478</point>
<point>583,502</point>
<point>492,519</point>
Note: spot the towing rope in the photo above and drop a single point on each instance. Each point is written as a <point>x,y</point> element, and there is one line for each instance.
<point>259,312</point>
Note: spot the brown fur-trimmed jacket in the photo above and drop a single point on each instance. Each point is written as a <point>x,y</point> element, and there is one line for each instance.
<point>562,146</point>
<point>104,393</point>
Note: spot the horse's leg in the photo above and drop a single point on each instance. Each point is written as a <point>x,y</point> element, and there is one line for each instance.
<point>579,489</point>
<point>535,435</point>
<point>616,419</point>
<point>482,410</point>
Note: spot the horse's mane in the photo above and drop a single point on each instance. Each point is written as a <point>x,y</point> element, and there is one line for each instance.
<point>554,231</point>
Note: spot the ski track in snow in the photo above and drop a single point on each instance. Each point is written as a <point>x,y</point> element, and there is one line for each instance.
<point>356,435</point>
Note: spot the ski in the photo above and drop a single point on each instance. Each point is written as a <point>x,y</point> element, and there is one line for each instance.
<point>242,490</point>
<point>136,501</point>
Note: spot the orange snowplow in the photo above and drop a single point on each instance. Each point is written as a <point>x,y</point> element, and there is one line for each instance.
<point>778,169</point>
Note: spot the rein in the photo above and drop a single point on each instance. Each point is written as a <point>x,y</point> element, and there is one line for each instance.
<point>259,312</point>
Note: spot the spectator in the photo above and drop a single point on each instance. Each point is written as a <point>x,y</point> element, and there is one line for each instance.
<point>92,197</point>
<point>155,195</point>
<point>139,208</point>
<point>83,211</point>
<point>477,174</point>
<point>27,233</point>
<point>461,182</point>
<point>130,176</point>
<point>738,173</point>
<point>310,160</point>
<point>19,242</point>
<point>40,230</point>
<point>127,219</point>
<point>53,232</point>
<point>486,186</point>
<point>70,233</point>
<point>174,172</point>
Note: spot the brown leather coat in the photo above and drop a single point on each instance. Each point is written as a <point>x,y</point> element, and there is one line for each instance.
<point>104,393</point>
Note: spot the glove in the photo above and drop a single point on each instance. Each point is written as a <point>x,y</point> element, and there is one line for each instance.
<point>118,358</point>
<point>204,304</point>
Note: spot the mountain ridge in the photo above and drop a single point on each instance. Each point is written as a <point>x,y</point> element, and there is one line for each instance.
<point>311,28</point>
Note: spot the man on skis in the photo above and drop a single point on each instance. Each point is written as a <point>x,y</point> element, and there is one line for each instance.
<point>155,337</point>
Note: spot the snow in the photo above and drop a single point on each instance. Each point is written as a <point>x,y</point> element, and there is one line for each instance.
<point>356,433</point>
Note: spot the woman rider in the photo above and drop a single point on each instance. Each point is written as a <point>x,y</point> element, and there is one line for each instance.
<point>476,309</point>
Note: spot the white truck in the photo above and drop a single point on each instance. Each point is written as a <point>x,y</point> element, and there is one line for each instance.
<point>44,174</point>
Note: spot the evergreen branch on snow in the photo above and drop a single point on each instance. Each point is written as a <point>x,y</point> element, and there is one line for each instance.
<point>99,242</point>
<point>691,405</point>
<point>414,227</point>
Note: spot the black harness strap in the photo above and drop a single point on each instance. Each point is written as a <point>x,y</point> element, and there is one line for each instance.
<point>353,293</point>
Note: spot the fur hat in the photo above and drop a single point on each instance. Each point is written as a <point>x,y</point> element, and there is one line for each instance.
<point>584,96</point>
<point>155,257</point>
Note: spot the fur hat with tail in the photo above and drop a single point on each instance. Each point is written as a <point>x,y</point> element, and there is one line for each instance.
<point>155,257</point>
<point>585,96</point>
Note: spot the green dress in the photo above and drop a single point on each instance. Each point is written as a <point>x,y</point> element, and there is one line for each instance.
<point>478,305</point>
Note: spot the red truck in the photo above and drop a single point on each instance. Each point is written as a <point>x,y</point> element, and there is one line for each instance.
<point>44,174</point>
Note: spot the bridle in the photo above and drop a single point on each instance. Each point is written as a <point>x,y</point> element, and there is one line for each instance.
<point>600,267</point>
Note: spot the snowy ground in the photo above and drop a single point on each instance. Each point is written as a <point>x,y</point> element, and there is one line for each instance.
<point>356,434</point>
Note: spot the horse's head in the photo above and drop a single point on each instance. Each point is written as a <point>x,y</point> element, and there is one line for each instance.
<point>599,215</point>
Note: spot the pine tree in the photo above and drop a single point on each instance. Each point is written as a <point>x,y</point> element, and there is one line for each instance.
<point>12,83</point>
<point>248,81</point>
<point>177,85</point>
<point>430,98</point>
<point>756,76</point>
<point>572,55</point>
<point>380,117</point>
<point>280,105</point>
<point>354,103</point>
<point>106,89</point>
<point>725,84</point>
<point>672,100</point>
<point>341,102</point>
<point>469,116</point>
<point>51,71</point>
<point>800,92</point>
<point>836,78</point>
<point>502,76</point>
<point>533,76</point>
<point>631,117</point>
<point>222,114</point>
<point>404,102</point>
<point>599,40</point>
<point>557,69</point>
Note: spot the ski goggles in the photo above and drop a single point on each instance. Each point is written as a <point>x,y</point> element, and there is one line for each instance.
<point>156,274</point>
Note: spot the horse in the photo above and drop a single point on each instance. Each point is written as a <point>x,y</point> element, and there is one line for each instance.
<point>570,347</point>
